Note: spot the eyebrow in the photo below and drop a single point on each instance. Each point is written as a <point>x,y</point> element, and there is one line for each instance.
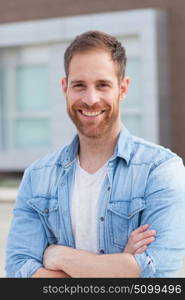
<point>76,81</point>
<point>98,81</point>
<point>104,81</point>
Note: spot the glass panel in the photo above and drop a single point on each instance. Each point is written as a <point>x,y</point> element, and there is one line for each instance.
<point>31,133</point>
<point>134,71</point>
<point>2,110</point>
<point>134,123</point>
<point>32,94</point>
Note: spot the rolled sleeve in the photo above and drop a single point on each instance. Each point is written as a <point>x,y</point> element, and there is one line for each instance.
<point>146,265</point>
<point>28,269</point>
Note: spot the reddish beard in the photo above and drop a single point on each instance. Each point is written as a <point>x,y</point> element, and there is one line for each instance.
<point>91,128</point>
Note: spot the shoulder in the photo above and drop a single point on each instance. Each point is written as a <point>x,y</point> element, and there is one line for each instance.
<point>148,153</point>
<point>42,176</point>
<point>164,169</point>
<point>51,159</point>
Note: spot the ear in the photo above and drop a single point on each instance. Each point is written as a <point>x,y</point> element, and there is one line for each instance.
<point>124,87</point>
<point>64,85</point>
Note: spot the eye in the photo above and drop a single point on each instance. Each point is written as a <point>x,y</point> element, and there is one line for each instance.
<point>103,85</point>
<point>78,86</point>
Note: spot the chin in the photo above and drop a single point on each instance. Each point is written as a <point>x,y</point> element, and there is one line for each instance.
<point>94,134</point>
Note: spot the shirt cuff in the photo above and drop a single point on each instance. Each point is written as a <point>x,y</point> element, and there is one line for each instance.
<point>146,264</point>
<point>28,269</point>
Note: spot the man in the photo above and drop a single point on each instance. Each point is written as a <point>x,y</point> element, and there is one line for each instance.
<point>92,201</point>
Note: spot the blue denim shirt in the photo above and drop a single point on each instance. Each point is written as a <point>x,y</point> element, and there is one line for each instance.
<point>145,183</point>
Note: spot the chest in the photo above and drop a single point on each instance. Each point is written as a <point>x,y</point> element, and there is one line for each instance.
<point>119,201</point>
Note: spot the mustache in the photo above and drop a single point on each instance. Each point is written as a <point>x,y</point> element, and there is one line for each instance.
<point>94,107</point>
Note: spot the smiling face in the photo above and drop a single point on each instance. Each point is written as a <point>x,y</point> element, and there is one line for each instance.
<point>93,93</point>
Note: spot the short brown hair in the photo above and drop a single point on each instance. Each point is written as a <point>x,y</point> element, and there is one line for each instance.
<point>97,40</point>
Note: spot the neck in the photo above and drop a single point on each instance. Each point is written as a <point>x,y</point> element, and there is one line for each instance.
<point>94,152</point>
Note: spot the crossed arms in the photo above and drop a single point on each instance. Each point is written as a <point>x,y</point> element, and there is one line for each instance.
<point>165,204</point>
<point>62,261</point>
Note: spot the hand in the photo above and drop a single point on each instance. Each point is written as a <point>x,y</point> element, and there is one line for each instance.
<point>139,239</point>
<point>51,257</point>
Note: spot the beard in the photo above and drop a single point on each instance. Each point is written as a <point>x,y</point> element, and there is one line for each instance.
<point>94,128</point>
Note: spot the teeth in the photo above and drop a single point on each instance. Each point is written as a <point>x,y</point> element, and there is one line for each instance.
<point>88,113</point>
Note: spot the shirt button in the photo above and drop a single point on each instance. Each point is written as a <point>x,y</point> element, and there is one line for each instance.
<point>102,251</point>
<point>108,188</point>
<point>102,219</point>
<point>46,210</point>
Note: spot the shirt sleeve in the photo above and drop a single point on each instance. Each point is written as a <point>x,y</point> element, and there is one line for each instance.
<point>164,212</point>
<point>28,269</point>
<point>27,238</point>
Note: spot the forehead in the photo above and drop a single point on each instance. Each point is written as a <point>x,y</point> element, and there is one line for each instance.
<point>94,63</point>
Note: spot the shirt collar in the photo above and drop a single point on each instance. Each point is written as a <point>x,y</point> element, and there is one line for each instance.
<point>123,148</point>
<point>71,151</point>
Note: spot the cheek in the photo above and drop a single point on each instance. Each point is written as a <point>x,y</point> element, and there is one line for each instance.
<point>73,97</point>
<point>111,100</point>
<point>108,98</point>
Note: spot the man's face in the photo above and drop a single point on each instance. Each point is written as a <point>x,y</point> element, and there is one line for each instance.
<point>93,93</point>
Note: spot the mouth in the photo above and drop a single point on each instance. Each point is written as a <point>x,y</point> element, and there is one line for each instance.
<point>91,114</point>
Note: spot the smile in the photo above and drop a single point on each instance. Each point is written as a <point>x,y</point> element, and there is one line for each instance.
<point>91,113</point>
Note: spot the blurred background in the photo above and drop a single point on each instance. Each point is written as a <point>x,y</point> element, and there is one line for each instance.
<point>33,37</point>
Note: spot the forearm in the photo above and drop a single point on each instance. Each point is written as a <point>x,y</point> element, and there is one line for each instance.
<point>79,263</point>
<point>45,273</point>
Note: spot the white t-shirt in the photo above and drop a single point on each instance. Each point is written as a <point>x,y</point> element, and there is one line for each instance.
<point>85,197</point>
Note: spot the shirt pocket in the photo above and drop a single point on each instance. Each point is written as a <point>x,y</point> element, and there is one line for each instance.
<point>48,211</point>
<point>124,217</point>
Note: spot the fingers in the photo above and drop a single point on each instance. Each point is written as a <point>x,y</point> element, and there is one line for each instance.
<point>139,239</point>
<point>141,250</point>
<point>144,242</point>
<point>140,229</point>
<point>136,235</point>
<point>141,246</point>
<point>145,235</point>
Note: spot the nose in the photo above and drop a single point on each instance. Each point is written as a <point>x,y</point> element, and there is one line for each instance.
<point>91,96</point>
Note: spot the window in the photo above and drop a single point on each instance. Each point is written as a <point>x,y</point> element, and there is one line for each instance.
<point>2,130</point>
<point>26,86</point>
<point>32,123</point>
<point>132,112</point>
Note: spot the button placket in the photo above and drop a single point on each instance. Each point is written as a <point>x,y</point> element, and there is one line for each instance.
<point>105,198</point>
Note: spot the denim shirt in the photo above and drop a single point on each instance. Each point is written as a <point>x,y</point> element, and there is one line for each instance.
<point>145,183</point>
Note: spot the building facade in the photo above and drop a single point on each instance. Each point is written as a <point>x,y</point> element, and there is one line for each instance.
<point>33,38</point>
